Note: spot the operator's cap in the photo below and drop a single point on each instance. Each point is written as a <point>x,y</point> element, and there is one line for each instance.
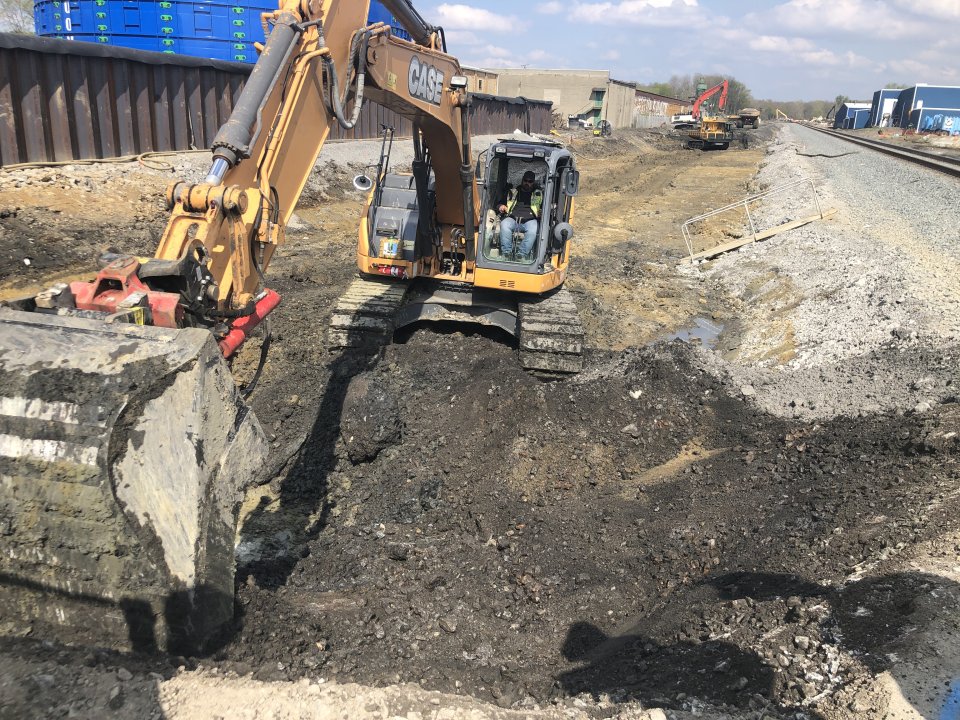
<point>529,175</point>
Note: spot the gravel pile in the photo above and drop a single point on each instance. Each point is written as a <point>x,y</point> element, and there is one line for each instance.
<point>856,313</point>
<point>336,162</point>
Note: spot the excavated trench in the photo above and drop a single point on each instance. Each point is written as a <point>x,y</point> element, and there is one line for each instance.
<point>643,531</point>
<point>640,532</point>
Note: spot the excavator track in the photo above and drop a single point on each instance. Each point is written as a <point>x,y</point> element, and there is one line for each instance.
<point>551,336</point>
<point>548,328</point>
<point>364,315</point>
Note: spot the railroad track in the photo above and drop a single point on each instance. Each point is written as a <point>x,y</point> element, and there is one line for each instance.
<point>940,163</point>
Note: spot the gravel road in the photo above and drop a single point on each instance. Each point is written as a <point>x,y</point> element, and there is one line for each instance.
<point>856,313</point>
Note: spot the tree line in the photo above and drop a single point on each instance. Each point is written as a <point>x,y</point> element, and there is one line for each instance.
<point>739,96</point>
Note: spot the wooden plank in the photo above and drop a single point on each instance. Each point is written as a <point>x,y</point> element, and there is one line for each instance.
<point>734,244</point>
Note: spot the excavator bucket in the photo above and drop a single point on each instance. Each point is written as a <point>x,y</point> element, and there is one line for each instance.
<point>124,454</point>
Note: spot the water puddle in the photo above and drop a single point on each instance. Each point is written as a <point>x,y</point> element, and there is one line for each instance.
<point>951,706</point>
<point>704,332</point>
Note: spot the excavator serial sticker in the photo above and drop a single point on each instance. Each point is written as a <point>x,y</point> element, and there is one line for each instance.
<point>424,81</point>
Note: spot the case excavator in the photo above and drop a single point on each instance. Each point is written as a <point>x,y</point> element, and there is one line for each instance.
<point>125,443</point>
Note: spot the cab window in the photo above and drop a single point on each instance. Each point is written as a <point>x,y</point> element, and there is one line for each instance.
<point>512,226</point>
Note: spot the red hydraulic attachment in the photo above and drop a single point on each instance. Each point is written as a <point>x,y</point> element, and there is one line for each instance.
<point>724,86</point>
<point>241,328</point>
<point>118,289</point>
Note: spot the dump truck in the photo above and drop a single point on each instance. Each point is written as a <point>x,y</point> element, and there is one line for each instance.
<point>747,118</point>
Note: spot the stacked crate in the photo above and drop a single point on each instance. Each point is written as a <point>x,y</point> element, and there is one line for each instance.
<point>203,28</point>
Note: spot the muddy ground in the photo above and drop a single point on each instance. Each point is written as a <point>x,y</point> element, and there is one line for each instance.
<point>644,535</point>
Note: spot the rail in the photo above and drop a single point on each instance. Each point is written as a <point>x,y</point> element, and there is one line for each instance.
<point>934,161</point>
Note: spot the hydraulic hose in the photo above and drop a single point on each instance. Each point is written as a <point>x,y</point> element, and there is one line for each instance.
<point>335,103</point>
<point>264,351</point>
<point>411,21</point>
<point>466,177</point>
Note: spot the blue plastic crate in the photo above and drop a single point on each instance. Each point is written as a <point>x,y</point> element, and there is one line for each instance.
<point>214,29</point>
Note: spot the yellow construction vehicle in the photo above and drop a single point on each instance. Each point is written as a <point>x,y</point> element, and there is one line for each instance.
<point>712,131</point>
<point>126,445</point>
<point>603,129</point>
<point>746,118</point>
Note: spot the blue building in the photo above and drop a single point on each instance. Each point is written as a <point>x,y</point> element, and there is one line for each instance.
<point>881,111</point>
<point>928,108</point>
<point>852,116</point>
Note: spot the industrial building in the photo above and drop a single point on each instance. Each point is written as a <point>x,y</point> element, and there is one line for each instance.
<point>589,96</point>
<point>881,110</point>
<point>852,116</point>
<point>480,80</point>
<point>928,108</point>
<point>574,93</point>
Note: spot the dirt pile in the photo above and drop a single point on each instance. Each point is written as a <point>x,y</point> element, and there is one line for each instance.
<point>529,541</point>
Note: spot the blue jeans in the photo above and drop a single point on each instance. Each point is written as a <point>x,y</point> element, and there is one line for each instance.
<point>507,226</point>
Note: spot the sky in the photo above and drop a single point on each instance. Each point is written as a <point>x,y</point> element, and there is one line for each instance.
<point>779,49</point>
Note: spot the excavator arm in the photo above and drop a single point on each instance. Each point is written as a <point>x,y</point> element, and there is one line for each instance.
<point>319,59</point>
<point>125,444</point>
<point>721,88</point>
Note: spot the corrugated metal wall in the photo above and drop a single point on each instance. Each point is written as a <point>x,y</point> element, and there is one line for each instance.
<point>67,100</point>
<point>491,114</point>
<point>650,121</point>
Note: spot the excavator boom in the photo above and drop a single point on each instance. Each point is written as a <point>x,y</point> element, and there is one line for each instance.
<point>721,88</point>
<point>125,444</point>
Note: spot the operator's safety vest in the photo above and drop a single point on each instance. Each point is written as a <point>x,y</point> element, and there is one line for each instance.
<point>536,200</point>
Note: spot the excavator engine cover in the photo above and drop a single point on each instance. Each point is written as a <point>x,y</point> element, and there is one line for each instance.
<point>124,454</point>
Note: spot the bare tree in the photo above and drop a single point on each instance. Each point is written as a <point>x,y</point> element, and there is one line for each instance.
<point>738,95</point>
<point>16,16</point>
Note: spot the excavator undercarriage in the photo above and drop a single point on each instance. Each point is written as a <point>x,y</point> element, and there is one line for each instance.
<point>547,329</point>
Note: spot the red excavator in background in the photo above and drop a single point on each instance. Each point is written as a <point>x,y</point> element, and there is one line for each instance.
<point>714,131</point>
<point>705,95</point>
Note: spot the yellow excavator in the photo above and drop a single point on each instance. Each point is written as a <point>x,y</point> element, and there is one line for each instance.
<point>125,443</point>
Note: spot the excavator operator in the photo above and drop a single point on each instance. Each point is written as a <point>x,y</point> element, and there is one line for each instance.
<point>521,209</point>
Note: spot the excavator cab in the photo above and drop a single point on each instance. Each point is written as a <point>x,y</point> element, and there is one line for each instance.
<point>410,272</point>
<point>556,182</point>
